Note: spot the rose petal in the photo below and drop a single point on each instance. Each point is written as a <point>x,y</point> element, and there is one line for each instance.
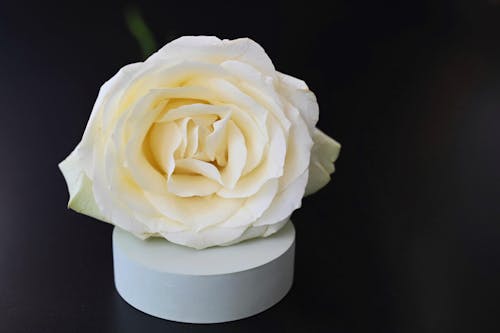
<point>237,156</point>
<point>143,172</point>
<point>215,144</point>
<point>230,93</point>
<point>163,140</point>
<point>81,197</point>
<point>192,139</point>
<point>250,232</point>
<point>191,165</point>
<point>256,139</point>
<point>259,87</point>
<point>299,95</point>
<point>271,166</point>
<point>110,206</point>
<point>156,75</point>
<point>206,237</point>
<point>115,85</point>
<point>159,224</point>
<point>254,206</point>
<point>324,152</point>
<point>213,50</point>
<point>195,212</point>
<point>141,117</point>
<point>285,202</point>
<point>193,110</point>
<point>192,185</point>
<point>298,147</point>
<point>273,228</point>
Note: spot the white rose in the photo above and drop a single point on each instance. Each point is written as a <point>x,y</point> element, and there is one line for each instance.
<point>204,144</point>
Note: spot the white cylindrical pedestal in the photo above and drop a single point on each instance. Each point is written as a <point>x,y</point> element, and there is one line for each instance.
<point>213,285</point>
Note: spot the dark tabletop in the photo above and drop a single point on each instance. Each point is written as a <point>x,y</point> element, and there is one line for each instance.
<point>406,238</point>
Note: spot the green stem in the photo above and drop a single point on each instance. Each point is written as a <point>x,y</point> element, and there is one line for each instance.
<point>140,31</point>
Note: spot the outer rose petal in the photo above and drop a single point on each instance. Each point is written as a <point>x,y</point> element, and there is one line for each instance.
<point>271,229</point>
<point>298,94</point>
<point>324,152</point>
<point>285,202</point>
<point>212,49</point>
<point>205,238</point>
<point>251,232</point>
<point>113,86</point>
<point>81,198</point>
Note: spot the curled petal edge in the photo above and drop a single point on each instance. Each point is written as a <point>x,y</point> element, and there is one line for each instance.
<point>324,153</point>
<point>81,197</point>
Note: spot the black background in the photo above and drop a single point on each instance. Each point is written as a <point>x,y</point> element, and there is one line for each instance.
<point>406,238</point>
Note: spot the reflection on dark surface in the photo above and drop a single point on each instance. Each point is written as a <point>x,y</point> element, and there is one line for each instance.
<point>406,237</point>
<point>125,318</point>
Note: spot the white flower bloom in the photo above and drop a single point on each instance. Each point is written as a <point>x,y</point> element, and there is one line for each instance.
<point>204,144</point>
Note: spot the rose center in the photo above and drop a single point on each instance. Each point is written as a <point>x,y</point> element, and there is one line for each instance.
<point>200,137</point>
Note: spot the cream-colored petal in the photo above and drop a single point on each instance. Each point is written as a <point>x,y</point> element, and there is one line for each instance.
<point>237,156</point>
<point>205,238</point>
<point>205,120</point>
<point>160,224</point>
<point>250,117</point>
<point>123,191</point>
<point>324,153</point>
<point>273,228</point>
<point>129,194</point>
<point>164,139</point>
<point>271,167</point>
<point>229,93</point>
<point>124,199</point>
<point>116,85</point>
<point>193,110</point>
<point>191,165</point>
<point>191,185</point>
<point>81,197</point>
<point>187,92</point>
<point>159,75</point>
<point>254,206</point>
<point>256,138</point>
<point>299,146</point>
<point>140,120</point>
<point>250,232</point>
<point>213,50</point>
<point>195,212</point>
<point>216,142</point>
<point>112,208</point>
<point>299,95</point>
<point>120,183</point>
<point>126,193</point>
<point>292,82</point>
<point>182,124</point>
<point>285,202</point>
<point>259,87</point>
<point>192,139</point>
